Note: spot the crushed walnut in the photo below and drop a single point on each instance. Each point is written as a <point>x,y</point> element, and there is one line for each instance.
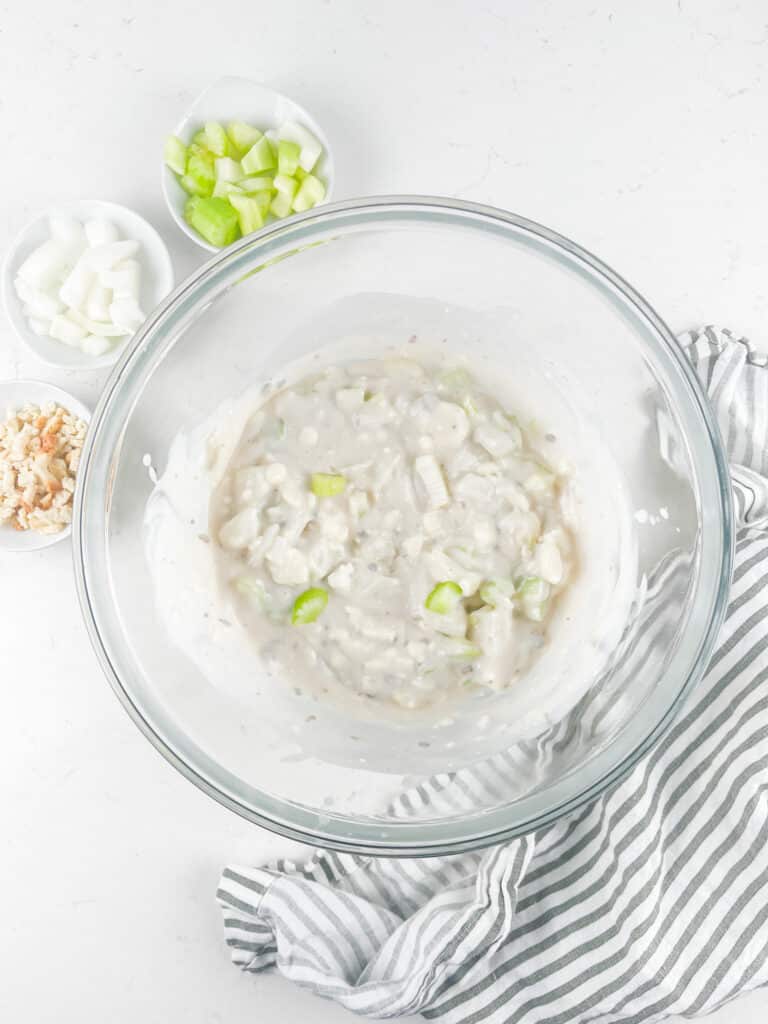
<point>40,450</point>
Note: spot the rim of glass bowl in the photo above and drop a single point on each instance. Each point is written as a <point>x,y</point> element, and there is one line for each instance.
<point>402,838</point>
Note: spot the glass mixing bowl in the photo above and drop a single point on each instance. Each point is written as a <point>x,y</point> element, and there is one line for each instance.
<point>528,306</point>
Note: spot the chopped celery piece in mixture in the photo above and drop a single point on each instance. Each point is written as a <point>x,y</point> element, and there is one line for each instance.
<point>242,136</point>
<point>327,485</point>
<point>214,218</point>
<point>175,154</point>
<point>288,154</point>
<point>309,606</point>
<point>311,192</point>
<point>495,592</point>
<point>249,213</point>
<point>462,650</point>
<point>260,157</point>
<point>443,597</point>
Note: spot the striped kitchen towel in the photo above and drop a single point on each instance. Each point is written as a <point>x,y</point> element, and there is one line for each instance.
<point>652,901</point>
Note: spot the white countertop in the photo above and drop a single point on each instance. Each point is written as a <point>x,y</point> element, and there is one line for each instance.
<point>638,129</point>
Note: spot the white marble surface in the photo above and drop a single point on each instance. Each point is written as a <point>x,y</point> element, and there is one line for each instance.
<point>638,129</point>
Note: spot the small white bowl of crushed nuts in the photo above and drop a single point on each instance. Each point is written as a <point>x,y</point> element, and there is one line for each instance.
<point>42,430</point>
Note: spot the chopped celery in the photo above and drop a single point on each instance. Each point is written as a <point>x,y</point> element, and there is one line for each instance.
<point>309,606</point>
<point>533,588</point>
<point>214,218</point>
<point>264,199</point>
<point>200,168</point>
<point>286,186</point>
<point>495,592</point>
<point>280,206</point>
<point>311,192</point>
<point>258,184</point>
<point>199,139</point>
<point>249,213</point>
<point>288,154</point>
<point>461,649</point>
<point>299,174</point>
<point>327,485</point>
<point>216,139</point>
<point>222,189</point>
<point>260,157</point>
<point>443,597</point>
<point>193,187</point>
<point>242,135</point>
<point>227,169</point>
<point>533,593</point>
<point>311,149</point>
<point>175,154</point>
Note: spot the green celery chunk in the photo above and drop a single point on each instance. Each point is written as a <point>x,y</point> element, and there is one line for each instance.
<point>242,136</point>
<point>280,205</point>
<point>285,186</point>
<point>300,174</point>
<point>444,597</point>
<point>260,183</point>
<point>260,157</point>
<point>200,168</point>
<point>227,169</point>
<point>327,485</point>
<point>175,154</point>
<point>288,154</point>
<point>213,218</point>
<point>216,138</point>
<point>222,189</point>
<point>264,199</point>
<point>311,192</point>
<point>309,606</point>
<point>193,187</point>
<point>199,139</point>
<point>249,213</point>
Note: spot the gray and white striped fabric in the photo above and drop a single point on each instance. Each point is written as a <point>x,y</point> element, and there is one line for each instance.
<point>650,902</point>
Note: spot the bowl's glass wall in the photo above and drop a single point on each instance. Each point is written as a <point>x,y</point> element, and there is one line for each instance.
<point>514,298</point>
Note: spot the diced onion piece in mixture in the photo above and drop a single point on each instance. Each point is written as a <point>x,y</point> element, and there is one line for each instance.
<point>327,485</point>
<point>443,597</point>
<point>309,606</point>
<point>431,477</point>
<point>241,530</point>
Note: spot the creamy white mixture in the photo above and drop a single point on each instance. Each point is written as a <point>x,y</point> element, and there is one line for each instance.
<point>388,526</point>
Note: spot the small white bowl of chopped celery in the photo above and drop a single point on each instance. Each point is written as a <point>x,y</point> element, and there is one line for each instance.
<point>79,280</point>
<point>241,157</point>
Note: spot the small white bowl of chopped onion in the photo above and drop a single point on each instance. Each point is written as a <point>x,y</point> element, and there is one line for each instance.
<point>256,157</point>
<point>79,280</point>
<point>39,456</point>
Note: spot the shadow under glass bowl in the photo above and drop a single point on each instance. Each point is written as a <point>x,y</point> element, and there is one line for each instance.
<point>512,295</point>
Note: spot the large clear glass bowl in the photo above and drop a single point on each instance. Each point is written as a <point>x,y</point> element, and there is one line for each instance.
<point>508,290</point>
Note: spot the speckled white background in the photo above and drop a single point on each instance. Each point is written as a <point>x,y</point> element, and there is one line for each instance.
<point>640,129</point>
